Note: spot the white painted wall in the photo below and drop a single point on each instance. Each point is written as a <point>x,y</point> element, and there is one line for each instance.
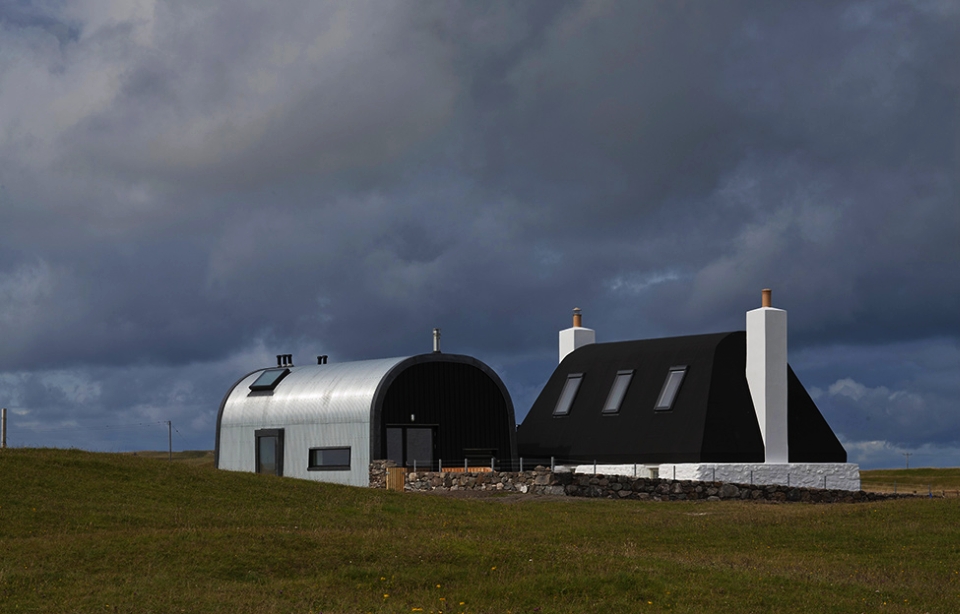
<point>839,476</point>
<point>833,476</point>
<point>575,337</point>
<point>767,377</point>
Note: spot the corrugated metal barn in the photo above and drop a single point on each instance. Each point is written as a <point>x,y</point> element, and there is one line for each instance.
<point>327,422</point>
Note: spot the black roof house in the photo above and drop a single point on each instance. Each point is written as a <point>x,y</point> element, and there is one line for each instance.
<point>670,400</point>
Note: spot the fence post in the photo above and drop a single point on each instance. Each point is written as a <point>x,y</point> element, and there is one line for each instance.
<point>3,428</point>
<point>491,463</point>
<point>824,482</point>
<point>714,474</point>
<point>521,464</point>
<point>674,473</point>
<point>439,465</point>
<point>594,466</point>
<point>414,465</point>
<point>551,464</point>
<point>634,471</point>
<point>464,465</point>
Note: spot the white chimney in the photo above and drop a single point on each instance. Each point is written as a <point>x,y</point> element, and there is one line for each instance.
<point>576,336</point>
<point>767,376</point>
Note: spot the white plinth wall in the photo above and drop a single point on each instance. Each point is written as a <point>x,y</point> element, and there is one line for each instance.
<point>830,476</point>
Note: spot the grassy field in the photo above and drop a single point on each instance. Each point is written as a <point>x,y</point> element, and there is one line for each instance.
<point>84,532</point>
<point>200,458</point>
<point>944,482</point>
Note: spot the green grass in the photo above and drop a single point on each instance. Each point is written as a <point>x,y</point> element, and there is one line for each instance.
<point>84,532</point>
<point>921,480</point>
<point>189,457</point>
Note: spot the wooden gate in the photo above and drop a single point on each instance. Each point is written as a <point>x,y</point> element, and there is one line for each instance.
<point>396,478</point>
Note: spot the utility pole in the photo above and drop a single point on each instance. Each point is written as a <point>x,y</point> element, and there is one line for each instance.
<point>3,428</point>
<point>907,455</point>
<point>169,440</point>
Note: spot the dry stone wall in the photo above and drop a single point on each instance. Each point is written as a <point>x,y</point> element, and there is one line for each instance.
<point>542,481</point>
<point>378,473</point>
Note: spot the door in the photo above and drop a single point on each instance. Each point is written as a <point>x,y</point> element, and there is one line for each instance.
<point>269,451</point>
<point>410,446</point>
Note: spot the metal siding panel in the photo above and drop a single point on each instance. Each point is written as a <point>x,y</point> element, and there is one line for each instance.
<point>300,438</point>
<point>317,406</point>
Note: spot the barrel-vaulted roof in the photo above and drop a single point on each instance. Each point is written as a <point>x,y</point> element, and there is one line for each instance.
<point>349,392</point>
<point>583,415</point>
<point>310,394</point>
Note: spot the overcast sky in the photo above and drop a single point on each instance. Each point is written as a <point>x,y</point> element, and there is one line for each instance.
<point>189,188</point>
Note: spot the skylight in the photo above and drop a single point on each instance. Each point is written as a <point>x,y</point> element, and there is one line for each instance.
<point>617,392</point>
<point>568,395</point>
<point>670,388</point>
<point>269,379</point>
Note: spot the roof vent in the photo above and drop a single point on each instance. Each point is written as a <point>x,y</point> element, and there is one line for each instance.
<point>436,340</point>
<point>577,318</point>
<point>284,360</point>
<point>322,360</point>
<point>765,298</point>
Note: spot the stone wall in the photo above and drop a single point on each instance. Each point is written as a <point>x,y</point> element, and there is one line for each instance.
<point>378,473</point>
<point>545,482</point>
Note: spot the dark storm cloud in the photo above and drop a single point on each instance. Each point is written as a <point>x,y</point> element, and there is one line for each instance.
<point>188,189</point>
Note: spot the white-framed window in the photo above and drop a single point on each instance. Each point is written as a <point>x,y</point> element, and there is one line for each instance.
<point>569,393</point>
<point>671,386</point>
<point>617,391</point>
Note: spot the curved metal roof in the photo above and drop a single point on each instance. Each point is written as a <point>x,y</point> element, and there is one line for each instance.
<point>310,394</point>
<point>349,392</point>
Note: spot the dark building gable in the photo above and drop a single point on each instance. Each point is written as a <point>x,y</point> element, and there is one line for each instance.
<point>463,402</point>
<point>711,417</point>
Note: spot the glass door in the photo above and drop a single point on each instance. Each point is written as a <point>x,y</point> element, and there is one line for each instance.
<point>407,445</point>
<point>419,447</point>
<point>270,451</point>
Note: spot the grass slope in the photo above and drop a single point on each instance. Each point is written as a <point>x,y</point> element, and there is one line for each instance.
<point>922,480</point>
<point>84,532</point>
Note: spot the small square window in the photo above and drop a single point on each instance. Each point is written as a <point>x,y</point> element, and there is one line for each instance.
<point>329,459</point>
<point>617,392</point>
<point>269,379</point>
<point>671,386</point>
<point>568,394</point>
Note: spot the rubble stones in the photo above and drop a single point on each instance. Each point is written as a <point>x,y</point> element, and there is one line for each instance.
<point>542,481</point>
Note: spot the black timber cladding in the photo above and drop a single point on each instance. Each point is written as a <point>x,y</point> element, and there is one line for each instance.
<point>460,396</point>
<point>711,420</point>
